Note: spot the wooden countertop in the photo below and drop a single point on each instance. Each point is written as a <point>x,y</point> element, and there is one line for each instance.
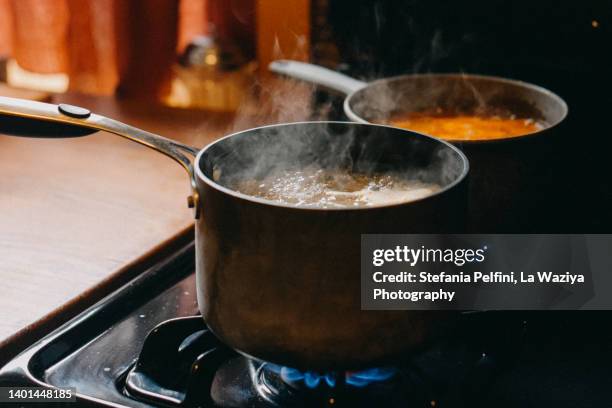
<point>75,213</point>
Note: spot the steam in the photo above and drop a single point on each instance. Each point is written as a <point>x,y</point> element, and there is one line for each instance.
<point>273,151</point>
<point>426,93</point>
<point>444,94</point>
<point>288,156</point>
<point>276,99</point>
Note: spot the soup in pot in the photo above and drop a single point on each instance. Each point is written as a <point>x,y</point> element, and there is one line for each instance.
<point>325,188</point>
<point>466,127</point>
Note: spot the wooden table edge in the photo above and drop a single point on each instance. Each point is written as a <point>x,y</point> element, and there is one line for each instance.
<point>13,345</point>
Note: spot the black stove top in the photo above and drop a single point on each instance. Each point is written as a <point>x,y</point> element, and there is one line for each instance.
<point>145,345</point>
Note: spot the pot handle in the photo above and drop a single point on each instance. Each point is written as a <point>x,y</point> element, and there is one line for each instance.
<point>318,75</point>
<point>21,117</point>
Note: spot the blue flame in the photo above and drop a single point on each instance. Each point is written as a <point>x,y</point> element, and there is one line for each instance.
<point>365,377</point>
<point>313,379</point>
<point>310,378</point>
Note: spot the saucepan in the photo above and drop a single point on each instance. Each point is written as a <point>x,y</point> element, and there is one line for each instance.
<point>514,181</point>
<point>280,282</point>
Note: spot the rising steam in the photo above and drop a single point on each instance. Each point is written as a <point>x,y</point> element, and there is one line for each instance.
<point>277,150</point>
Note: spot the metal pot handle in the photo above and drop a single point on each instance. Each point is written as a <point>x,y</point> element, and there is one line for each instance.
<point>21,117</point>
<point>318,75</point>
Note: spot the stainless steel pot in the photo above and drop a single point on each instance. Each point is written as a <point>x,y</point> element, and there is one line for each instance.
<point>278,282</point>
<point>514,181</point>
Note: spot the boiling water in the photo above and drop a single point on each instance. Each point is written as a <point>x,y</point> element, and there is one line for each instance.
<point>335,188</point>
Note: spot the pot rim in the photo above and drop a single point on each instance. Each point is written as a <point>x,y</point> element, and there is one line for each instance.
<point>200,174</point>
<point>553,96</point>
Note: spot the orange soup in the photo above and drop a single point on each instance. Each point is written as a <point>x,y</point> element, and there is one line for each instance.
<point>466,127</point>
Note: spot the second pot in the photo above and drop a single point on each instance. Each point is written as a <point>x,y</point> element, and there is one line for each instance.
<point>515,181</point>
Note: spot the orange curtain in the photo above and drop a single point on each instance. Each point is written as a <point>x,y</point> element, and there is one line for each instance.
<point>92,47</point>
<point>104,46</point>
<point>146,34</point>
<point>6,29</point>
<point>40,29</point>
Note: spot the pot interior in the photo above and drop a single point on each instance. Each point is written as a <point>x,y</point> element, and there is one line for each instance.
<point>456,94</point>
<point>352,147</point>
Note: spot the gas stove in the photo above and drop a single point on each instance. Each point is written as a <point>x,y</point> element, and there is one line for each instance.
<point>145,345</point>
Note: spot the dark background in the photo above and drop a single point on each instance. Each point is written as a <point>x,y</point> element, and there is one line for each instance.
<point>563,46</point>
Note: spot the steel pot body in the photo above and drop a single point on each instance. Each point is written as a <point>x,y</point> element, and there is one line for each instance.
<point>282,283</point>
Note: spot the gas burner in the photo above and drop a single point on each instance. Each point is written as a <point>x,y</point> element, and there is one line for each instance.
<point>313,379</point>
<point>284,386</point>
<point>183,364</point>
<point>287,385</point>
<point>177,358</point>
<point>242,381</point>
